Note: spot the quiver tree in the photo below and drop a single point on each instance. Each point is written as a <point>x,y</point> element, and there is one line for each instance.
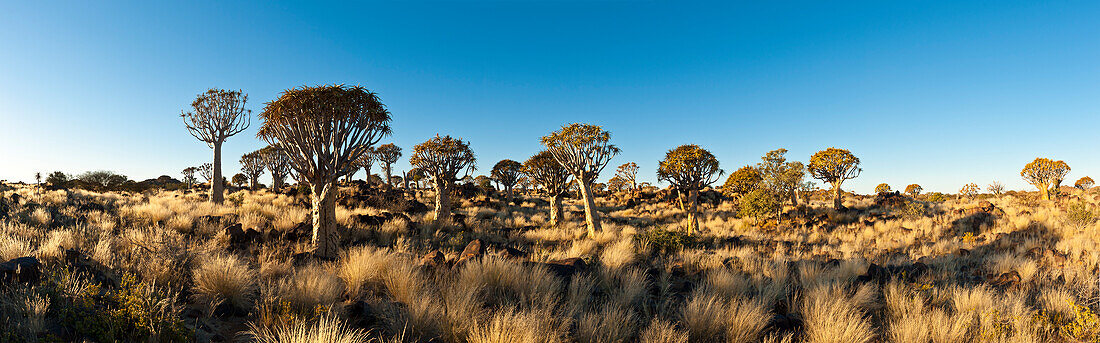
<point>584,150</point>
<point>252,165</point>
<point>1084,183</point>
<point>742,181</point>
<point>214,117</point>
<point>240,180</point>
<point>324,130</point>
<point>388,154</point>
<point>364,162</point>
<point>277,163</point>
<point>782,178</point>
<point>628,174</point>
<point>189,176</point>
<point>507,173</point>
<point>834,166</point>
<point>913,190</point>
<point>996,188</point>
<point>969,190</point>
<point>206,170</point>
<point>689,168</point>
<point>883,188</point>
<point>1044,174</point>
<point>442,159</point>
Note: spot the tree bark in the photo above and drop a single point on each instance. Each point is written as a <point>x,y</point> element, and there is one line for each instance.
<point>508,196</point>
<point>1044,192</point>
<point>217,190</point>
<point>389,181</point>
<point>326,238</point>
<point>276,183</point>
<point>838,203</point>
<point>794,197</point>
<point>442,204</point>
<point>591,218</point>
<point>693,207</point>
<point>555,209</point>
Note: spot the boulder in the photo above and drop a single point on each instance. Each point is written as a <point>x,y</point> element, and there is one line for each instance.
<point>1005,280</point>
<point>23,269</point>
<point>566,268</point>
<point>473,250</point>
<point>433,259</point>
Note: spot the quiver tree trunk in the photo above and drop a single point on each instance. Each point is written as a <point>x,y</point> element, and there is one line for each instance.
<point>389,180</point>
<point>276,183</point>
<point>591,218</point>
<point>1044,192</point>
<point>838,202</point>
<point>442,203</point>
<point>508,196</point>
<point>217,190</point>
<point>555,209</point>
<point>692,209</point>
<point>326,238</point>
<point>794,197</point>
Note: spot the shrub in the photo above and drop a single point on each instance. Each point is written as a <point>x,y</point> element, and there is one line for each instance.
<point>225,278</point>
<point>883,188</point>
<point>664,241</point>
<point>1080,215</point>
<point>327,329</point>
<point>759,204</point>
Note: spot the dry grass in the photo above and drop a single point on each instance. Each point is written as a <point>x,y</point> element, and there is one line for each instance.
<point>224,278</point>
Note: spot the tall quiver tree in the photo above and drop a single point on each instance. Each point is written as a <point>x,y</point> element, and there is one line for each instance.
<point>545,171</point>
<point>834,166</point>
<point>1044,174</point>
<point>189,176</point>
<point>507,173</point>
<point>388,154</point>
<point>324,130</point>
<point>584,150</point>
<point>689,168</point>
<point>442,159</point>
<point>628,173</point>
<point>277,163</point>
<point>781,177</point>
<point>252,165</point>
<point>214,117</point>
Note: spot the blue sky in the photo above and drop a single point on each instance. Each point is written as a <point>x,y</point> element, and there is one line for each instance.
<point>939,93</point>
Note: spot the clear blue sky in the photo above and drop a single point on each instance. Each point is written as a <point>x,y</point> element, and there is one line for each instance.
<point>939,93</point>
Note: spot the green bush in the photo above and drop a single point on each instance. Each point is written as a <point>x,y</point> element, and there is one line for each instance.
<point>664,241</point>
<point>759,204</point>
<point>1080,215</point>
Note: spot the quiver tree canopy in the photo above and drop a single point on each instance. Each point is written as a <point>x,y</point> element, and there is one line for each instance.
<point>206,170</point>
<point>507,173</point>
<point>834,166</point>
<point>277,163</point>
<point>584,150</point>
<point>913,189</point>
<point>388,155</point>
<point>1044,173</point>
<point>252,165</point>
<point>442,159</point>
<point>545,171</point>
<point>324,131</point>
<point>741,182</point>
<point>1084,183</point>
<point>689,168</point>
<point>628,173</point>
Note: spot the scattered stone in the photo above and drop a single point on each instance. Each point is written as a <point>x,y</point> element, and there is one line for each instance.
<point>566,268</point>
<point>511,252</point>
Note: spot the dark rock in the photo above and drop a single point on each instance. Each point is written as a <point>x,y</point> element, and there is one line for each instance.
<point>368,220</point>
<point>475,249</point>
<point>224,309</point>
<point>511,252</point>
<point>361,314</point>
<point>963,252</point>
<point>433,259</point>
<point>23,269</point>
<point>1005,280</point>
<point>566,268</point>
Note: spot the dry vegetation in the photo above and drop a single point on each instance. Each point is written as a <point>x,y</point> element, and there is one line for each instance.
<point>168,266</point>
